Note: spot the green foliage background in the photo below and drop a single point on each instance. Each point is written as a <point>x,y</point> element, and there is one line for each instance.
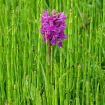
<point>77,72</point>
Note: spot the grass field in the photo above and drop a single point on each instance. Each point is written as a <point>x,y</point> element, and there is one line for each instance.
<point>76,75</point>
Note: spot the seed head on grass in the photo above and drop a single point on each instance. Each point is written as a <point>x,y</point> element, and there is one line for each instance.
<point>53,27</point>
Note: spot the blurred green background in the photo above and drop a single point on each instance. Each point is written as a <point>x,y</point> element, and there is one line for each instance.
<point>77,72</point>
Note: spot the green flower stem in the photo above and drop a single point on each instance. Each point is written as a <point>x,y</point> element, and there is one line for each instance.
<point>49,57</point>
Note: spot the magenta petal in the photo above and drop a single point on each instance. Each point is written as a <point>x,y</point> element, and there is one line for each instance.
<point>52,28</point>
<point>45,13</point>
<point>53,12</point>
<point>61,36</point>
<point>44,17</point>
<point>60,44</point>
<point>49,36</point>
<point>62,16</point>
<point>53,41</point>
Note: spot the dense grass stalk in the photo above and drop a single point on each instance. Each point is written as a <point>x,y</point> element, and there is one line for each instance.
<point>33,87</point>
<point>38,99</point>
<point>103,10</point>
<point>61,82</point>
<point>1,66</point>
<point>78,86</point>
<point>57,5</point>
<point>76,66</point>
<point>97,95</point>
<point>15,98</point>
<point>56,82</point>
<point>7,51</point>
<point>49,57</point>
<point>69,49</point>
<point>69,82</point>
<point>87,92</point>
<point>53,96</point>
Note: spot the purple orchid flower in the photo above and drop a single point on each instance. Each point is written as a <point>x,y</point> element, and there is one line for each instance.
<point>53,27</point>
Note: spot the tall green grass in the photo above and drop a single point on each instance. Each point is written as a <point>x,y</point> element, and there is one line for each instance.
<point>77,72</point>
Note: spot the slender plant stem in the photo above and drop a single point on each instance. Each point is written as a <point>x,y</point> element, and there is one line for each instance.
<point>49,56</point>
